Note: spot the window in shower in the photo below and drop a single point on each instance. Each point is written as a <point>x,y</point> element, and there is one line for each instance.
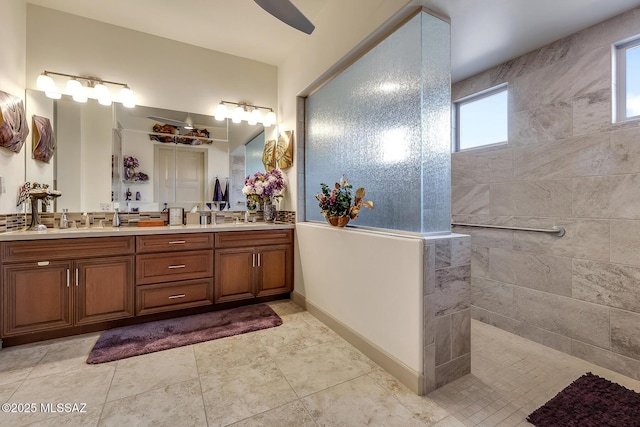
<point>481,119</point>
<point>627,80</point>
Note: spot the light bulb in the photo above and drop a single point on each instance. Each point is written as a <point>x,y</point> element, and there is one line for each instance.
<point>102,93</point>
<point>127,98</point>
<point>80,95</point>
<point>221,112</point>
<point>269,119</point>
<point>45,82</point>
<point>254,117</point>
<point>73,86</point>
<point>53,94</point>
<point>238,114</point>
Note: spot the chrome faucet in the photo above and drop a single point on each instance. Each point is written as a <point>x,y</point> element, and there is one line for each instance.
<point>214,217</point>
<point>64,220</point>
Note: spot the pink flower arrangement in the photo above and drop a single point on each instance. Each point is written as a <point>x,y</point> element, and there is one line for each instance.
<point>338,202</point>
<point>263,186</point>
<point>131,162</point>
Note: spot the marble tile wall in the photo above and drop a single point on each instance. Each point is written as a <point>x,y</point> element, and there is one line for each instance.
<point>565,164</point>
<point>447,317</point>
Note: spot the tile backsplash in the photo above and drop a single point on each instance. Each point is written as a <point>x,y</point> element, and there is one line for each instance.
<point>17,222</point>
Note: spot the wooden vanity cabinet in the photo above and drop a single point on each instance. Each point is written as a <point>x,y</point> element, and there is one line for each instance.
<point>251,264</point>
<point>59,287</point>
<point>36,297</point>
<point>53,284</point>
<point>173,272</point>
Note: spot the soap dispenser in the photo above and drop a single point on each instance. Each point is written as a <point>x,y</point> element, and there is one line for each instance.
<point>116,218</point>
<point>64,220</point>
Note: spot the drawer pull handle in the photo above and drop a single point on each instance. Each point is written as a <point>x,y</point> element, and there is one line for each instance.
<point>177,296</point>
<point>42,263</point>
<point>178,242</point>
<point>177,266</point>
<point>68,277</point>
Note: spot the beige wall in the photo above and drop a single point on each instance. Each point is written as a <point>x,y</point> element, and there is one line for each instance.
<point>163,73</point>
<point>379,295</point>
<point>565,164</point>
<point>12,77</point>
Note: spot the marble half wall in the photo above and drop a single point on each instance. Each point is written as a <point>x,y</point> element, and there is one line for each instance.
<point>447,309</point>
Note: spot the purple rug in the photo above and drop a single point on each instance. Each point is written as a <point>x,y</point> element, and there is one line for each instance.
<point>120,343</point>
<point>590,401</point>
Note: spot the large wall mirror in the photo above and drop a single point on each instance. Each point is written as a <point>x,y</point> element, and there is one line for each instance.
<point>174,166</point>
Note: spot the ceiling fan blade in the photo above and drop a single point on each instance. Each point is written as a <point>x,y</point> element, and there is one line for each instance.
<point>286,11</point>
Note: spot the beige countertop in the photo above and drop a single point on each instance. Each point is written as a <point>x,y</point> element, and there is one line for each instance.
<point>69,233</point>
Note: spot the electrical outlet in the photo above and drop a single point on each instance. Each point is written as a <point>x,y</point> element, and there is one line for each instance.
<point>3,188</point>
<point>105,207</point>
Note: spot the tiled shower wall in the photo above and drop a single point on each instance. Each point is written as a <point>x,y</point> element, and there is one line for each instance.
<point>565,164</point>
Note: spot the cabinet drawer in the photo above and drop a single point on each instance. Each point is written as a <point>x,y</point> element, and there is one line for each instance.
<point>168,267</point>
<point>55,249</point>
<point>173,296</point>
<point>174,242</point>
<point>235,239</point>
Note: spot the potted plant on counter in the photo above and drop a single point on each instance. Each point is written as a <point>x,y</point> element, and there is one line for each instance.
<point>337,204</point>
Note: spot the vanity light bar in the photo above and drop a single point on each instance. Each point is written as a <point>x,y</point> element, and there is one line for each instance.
<point>247,112</point>
<point>76,89</point>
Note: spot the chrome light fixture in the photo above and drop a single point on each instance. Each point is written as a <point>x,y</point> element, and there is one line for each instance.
<point>82,87</point>
<point>247,112</point>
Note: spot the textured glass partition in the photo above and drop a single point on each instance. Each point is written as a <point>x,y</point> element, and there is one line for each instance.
<point>384,123</point>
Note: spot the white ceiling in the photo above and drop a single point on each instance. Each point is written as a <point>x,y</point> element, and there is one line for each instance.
<point>484,33</point>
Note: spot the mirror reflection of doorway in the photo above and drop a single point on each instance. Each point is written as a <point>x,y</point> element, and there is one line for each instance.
<point>181,175</point>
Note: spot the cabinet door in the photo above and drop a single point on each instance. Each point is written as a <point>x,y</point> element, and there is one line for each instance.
<point>275,270</point>
<point>36,297</point>
<point>105,289</point>
<point>234,274</point>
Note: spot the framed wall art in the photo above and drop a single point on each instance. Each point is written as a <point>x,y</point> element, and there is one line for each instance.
<point>44,141</point>
<point>284,149</point>
<point>269,155</point>
<point>13,123</point>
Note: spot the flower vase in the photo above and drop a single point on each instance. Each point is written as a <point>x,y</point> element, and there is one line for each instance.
<point>338,221</point>
<point>252,205</point>
<point>129,173</point>
<point>269,211</point>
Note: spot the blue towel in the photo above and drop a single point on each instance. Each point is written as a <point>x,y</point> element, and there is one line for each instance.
<point>225,197</point>
<point>217,192</point>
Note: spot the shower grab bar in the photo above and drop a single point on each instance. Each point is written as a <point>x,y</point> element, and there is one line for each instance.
<point>556,229</point>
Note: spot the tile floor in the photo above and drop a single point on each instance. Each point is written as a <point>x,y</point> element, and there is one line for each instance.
<point>298,374</point>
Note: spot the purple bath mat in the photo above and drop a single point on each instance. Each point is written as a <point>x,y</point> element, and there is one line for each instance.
<point>128,341</point>
<point>590,401</point>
